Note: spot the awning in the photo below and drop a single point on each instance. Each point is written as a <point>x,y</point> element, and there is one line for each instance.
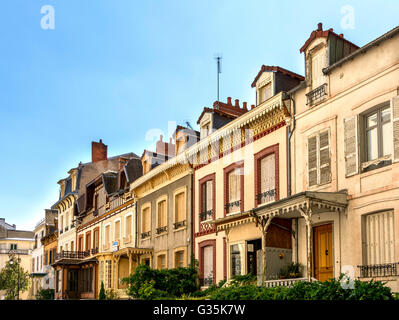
<point>75,262</point>
<point>291,207</point>
<point>38,274</point>
<point>131,250</point>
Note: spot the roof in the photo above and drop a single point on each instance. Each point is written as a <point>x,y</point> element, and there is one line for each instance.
<point>226,110</point>
<point>320,33</point>
<point>363,49</point>
<point>265,68</point>
<point>133,169</point>
<point>185,129</point>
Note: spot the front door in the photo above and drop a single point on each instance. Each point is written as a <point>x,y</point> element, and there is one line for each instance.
<point>253,252</point>
<point>323,254</point>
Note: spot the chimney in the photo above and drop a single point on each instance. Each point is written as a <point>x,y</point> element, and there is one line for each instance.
<point>252,106</point>
<point>237,105</point>
<point>229,101</point>
<point>98,151</point>
<point>341,35</point>
<point>244,105</point>
<point>319,26</point>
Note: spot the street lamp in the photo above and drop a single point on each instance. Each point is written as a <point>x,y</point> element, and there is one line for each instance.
<point>11,252</point>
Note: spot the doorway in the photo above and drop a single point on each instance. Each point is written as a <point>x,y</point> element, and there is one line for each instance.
<point>253,252</point>
<point>323,252</point>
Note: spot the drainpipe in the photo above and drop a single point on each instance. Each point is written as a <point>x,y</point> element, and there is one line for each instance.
<point>290,133</point>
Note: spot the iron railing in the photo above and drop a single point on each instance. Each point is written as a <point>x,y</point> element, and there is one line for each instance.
<point>230,207</point>
<point>207,215</point>
<point>266,196</point>
<point>379,270</point>
<point>145,234</point>
<point>94,251</point>
<point>179,224</point>
<point>161,229</point>
<point>316,94</point>
<point>72,255</point>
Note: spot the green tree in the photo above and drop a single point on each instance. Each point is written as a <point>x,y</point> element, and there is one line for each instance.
<point>102,295</point>
<point>13,278</point>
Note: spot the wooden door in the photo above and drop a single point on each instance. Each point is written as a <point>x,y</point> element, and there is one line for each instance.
<point>323,252</point>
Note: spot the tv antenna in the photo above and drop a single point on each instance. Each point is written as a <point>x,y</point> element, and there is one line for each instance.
<point>218,58</point>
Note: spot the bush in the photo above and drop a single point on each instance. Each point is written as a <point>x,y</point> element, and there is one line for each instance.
<point>101,295</point>
<point>293,270</point>
<point>302,290</point>
<point>45,294</point>
<point>148,283</point>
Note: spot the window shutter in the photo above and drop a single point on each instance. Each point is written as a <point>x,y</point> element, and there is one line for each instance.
<point>312,161</point>
<point>209,195</point>
<point>395,127</point>
<point>350,146</point>
<point>324,156</point>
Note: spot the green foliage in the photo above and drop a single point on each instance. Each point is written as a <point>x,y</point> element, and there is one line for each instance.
<point>147,282</point>
<point>293,270</point>
<point>111,295</point>
<point>302,290</point>
<point>45,294</point>
<point>101,295</point>
<point>13,278</point>
<point>208,291</point>
<point>245,279</point>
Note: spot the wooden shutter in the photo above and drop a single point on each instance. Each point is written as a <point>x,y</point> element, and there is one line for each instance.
<point>209,195</point>
<point>312,161</point>
<point>180,214</point>
<point>128,225</point>
<point>146,220</point>
<point>380,238</point>
<point>350,146</point>
<point>117,230</point>
<point>395,127</point>
<point>324,157</point>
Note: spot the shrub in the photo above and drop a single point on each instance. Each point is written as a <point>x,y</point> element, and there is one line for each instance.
<point>292,270</point>
<point>102,295</point>
<point>245,279</point>
<point>147,282</point>
<point>45,294</point>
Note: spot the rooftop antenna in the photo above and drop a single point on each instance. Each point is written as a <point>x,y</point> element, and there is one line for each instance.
<point>189,125</point>
<point>218,58</point>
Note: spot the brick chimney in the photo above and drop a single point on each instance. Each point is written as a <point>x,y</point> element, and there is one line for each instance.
<point>319,26</point>
<point>98,151</point>
<point>164,148</point>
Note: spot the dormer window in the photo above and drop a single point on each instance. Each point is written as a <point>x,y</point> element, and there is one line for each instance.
<point>317,69</point>
<point>205,130</point>
<point>265,92</point>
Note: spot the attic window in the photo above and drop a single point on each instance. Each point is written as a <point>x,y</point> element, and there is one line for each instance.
<point>205,130</point>
<point>265,92</point>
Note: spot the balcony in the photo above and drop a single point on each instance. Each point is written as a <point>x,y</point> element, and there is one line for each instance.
<point>316,95</point>
<point>161,230</point>
<point>66,228</point>
<point>72,255</point>
<point>72,226</point>
<point>233,206</point>
<point>266,196</point>
<point>379,270</point>
<point>179,224</point>
<point>207,215</point>
<point>14,251</point>
<point>94,251</point>
<point>145,234</point>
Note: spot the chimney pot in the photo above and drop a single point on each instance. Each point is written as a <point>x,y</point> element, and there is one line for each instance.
<point>341,35</point>
<point>331,29</point>
<point>98,151</point>
<point>161,137</point>
<point>229,101</point>
<point>252,106</point>
<point>236,103</point>
<point>319,26</point>
<point>244,105</point>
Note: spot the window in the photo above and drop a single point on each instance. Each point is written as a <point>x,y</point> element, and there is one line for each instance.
<point>179,259</point>
<point>208,265</point>
<point>233,181</point>
<point>108,274</point>
<point>207,201</point>
<point>72,280</point>
<point>146,222</point>
<point>266,175</point>
<point>96,239</point>
<point>161,216</point>
<point>95,202</point>
<point>205,130</point>
<point>128,226</point>
<point>180,207</point>
<point>161,261</point>
<point>72,246</point>
<point>59,280</point>
<point>106,237</point>
<point>378,134</point>
<point>265,92</point>
<point>379,238</point>
<point>237,256</point>
<point>88,241</point>
<point>319,166</point>
<point>317,66</point>
<point>13,246</point>
<point>117,230</point>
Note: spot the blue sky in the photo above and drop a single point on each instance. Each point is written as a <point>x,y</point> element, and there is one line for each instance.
<point>119,69</point>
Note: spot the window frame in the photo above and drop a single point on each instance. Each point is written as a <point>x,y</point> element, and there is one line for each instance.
<point>226,171</point>
<point>175,194</point>
<point>201,183</point>
<point>318,151</point>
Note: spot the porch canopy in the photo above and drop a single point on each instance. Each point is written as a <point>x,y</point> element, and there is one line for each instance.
<point>300,205</point>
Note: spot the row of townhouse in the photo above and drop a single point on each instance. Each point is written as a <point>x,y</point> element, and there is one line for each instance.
<point>307,174</point>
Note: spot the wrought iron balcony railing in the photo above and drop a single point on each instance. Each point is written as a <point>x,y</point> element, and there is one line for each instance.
<point>207,215</point>
<point>266,196</point>
<point>161,229</point>
<point>179,224</point>
<point>316,94</point>
<point>233,206</point>
<point>208,281</point>
<point>379,270</point>
<point>94,251</point>
<point>145,234</point>
<point>72,255</point>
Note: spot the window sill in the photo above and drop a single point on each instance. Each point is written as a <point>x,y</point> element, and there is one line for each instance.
<point>380,163</point>
<point>158,235</point>
<point>181,229</point>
